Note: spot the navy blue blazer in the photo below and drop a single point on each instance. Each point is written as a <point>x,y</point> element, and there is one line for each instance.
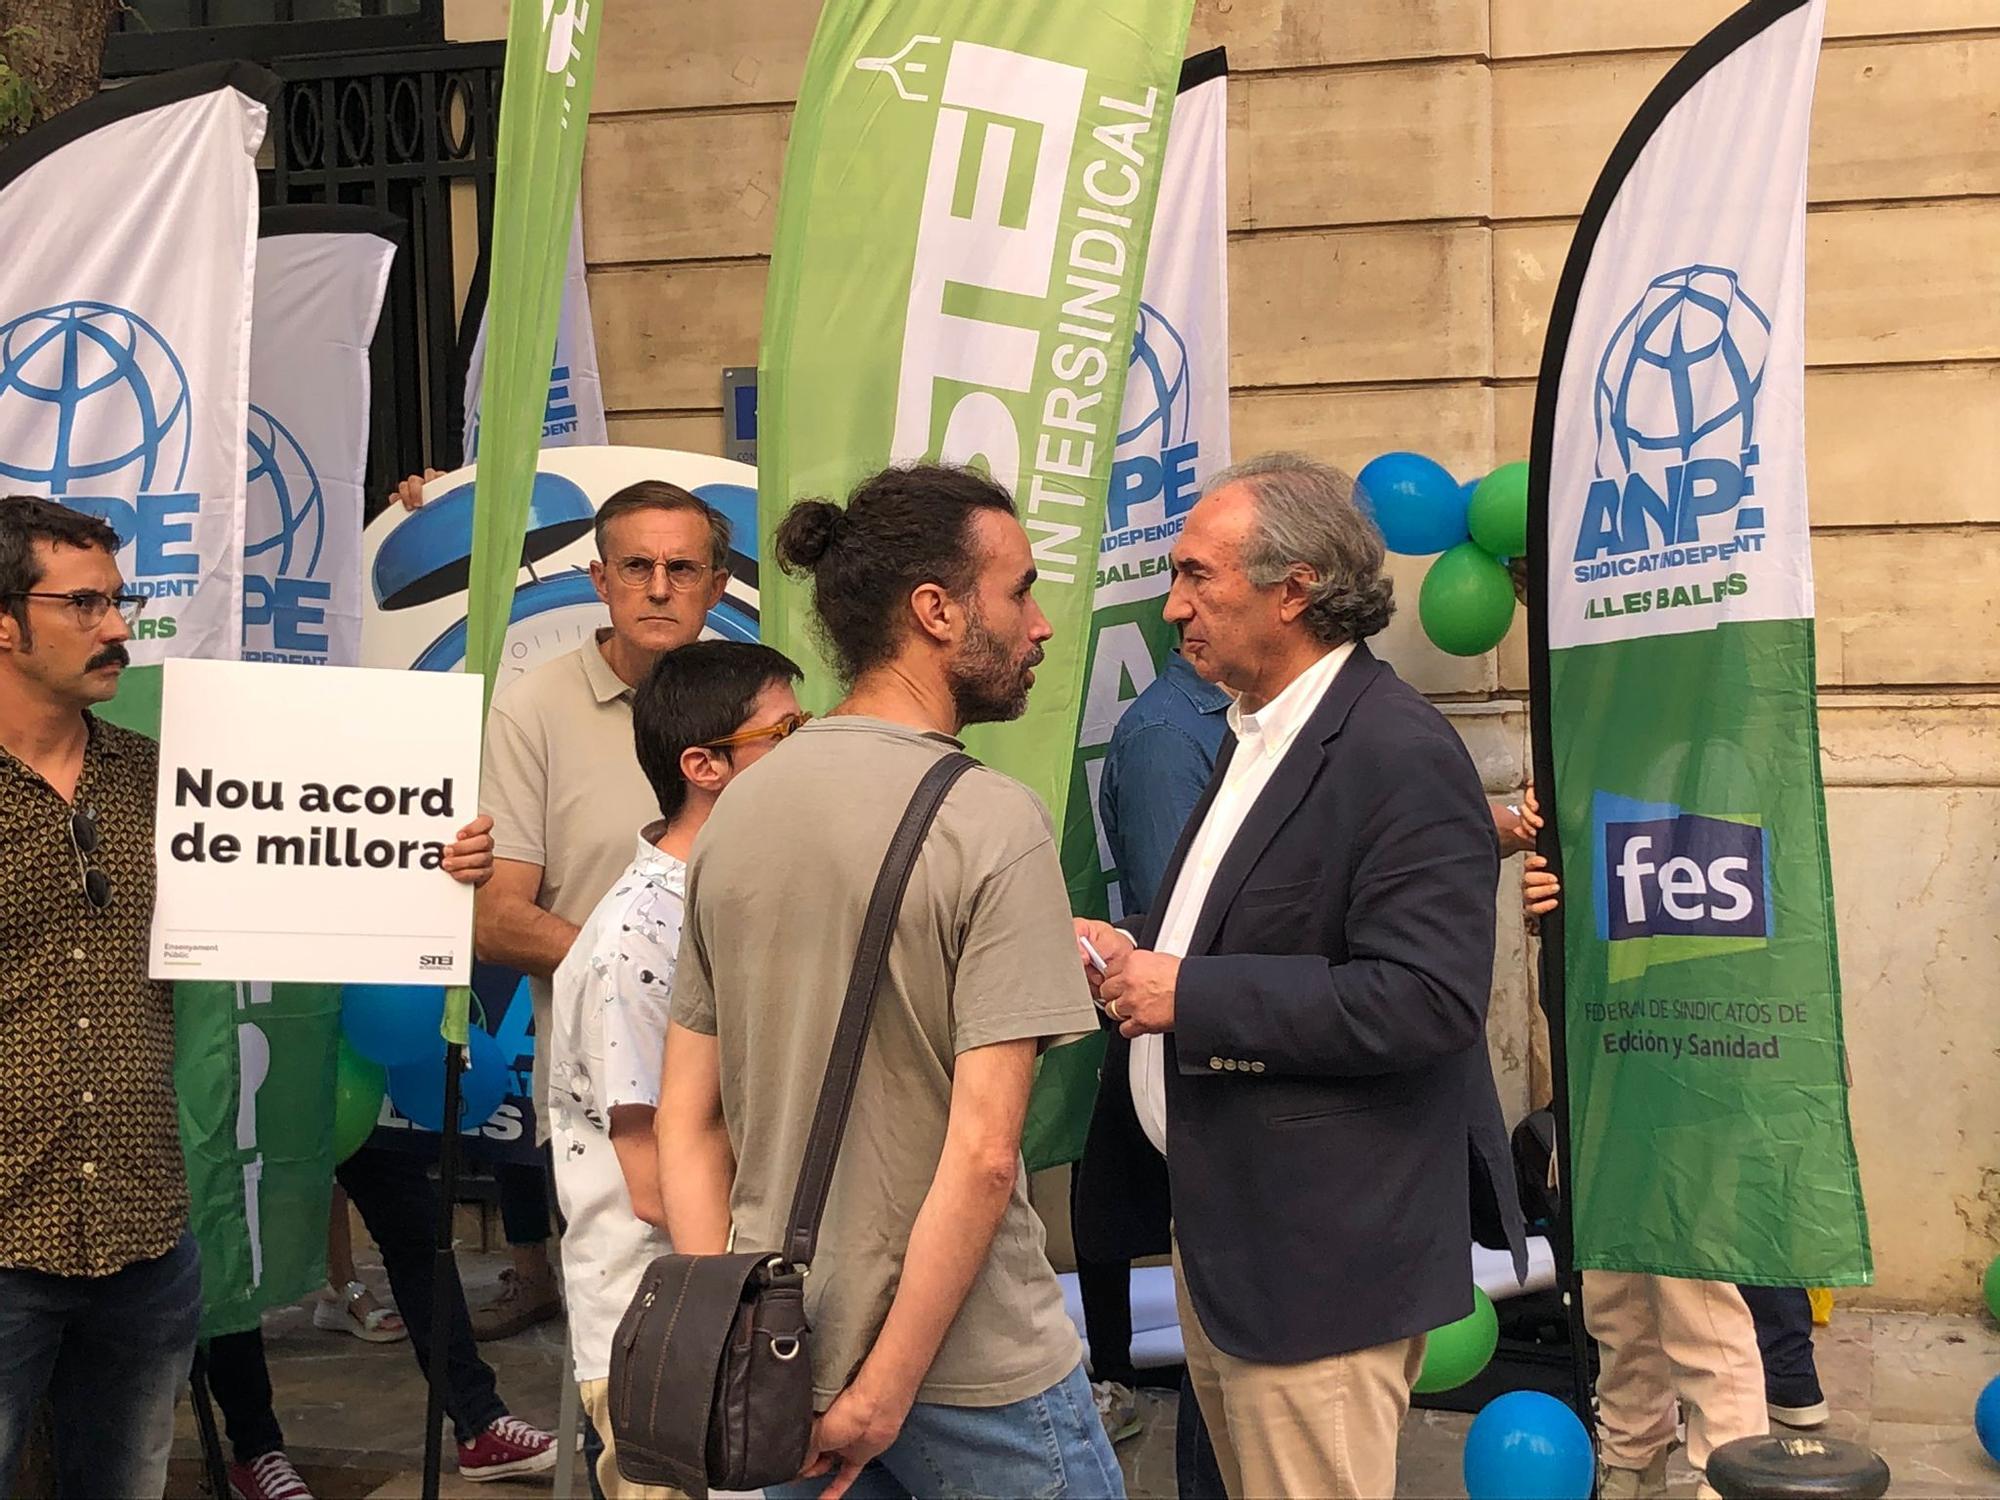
<point>1330,1103</point>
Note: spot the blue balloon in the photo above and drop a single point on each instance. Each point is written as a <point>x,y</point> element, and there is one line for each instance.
<point>1528,1446</point>
<point>1986,1419</point>
<point>1418,506</point>
<point>417,1088</point>
<point>393,1024</point>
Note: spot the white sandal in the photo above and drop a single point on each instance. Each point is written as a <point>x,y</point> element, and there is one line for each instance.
<point>339,1311</point>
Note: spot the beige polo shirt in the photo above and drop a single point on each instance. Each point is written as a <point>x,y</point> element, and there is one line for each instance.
<point>563,785</point>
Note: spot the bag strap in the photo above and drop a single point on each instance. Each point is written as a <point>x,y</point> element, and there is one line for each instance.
<point>850,1037</point>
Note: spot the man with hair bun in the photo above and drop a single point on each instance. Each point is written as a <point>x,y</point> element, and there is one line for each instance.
<point>1307,999</point>
<point>943,1361</point>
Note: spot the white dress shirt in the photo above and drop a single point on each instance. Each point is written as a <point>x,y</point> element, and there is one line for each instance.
<point>1262,739</point>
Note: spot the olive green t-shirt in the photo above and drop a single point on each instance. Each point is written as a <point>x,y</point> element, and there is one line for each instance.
<point>984,952</point>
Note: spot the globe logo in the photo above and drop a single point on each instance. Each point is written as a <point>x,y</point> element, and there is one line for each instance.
<point>1681,375</point>
<point>98,395</point>
<point>1158,403</point>
<point>283,504</point>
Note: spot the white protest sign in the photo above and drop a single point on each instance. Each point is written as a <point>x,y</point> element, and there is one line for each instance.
<point>303,817</point>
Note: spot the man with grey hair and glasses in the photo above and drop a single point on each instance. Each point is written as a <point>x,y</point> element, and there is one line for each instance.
<point>565,791</point>
<point>1307,999</point>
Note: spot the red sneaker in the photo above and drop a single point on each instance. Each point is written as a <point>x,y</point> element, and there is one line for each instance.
<point>509,1447</point>
<point>267,1477</point>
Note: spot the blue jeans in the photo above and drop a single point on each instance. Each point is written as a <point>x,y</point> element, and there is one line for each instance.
<point>1783,1316</point>
<point>1197,1473</point>
<point>111,1353</point>
<point>1048,1445</point>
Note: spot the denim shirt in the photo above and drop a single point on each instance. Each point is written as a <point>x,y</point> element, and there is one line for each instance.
<point>1161,756</point>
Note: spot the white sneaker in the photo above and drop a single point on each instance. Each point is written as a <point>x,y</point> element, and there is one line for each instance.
<point>1805,1418</point>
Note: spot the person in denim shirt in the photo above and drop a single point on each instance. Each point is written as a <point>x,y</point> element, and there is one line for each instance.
<point>1155,771</point>
<point>1157,766</point>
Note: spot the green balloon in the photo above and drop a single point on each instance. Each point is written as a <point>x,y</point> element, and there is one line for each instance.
<point>1457,1352</point>
<point>1993,1287</point>
<point>358,1087</point>
<point>1467,601</point>
<point>1497,516</point>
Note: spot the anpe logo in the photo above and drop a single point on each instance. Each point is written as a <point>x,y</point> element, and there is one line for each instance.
<point>1676,416</point>
<point>1159,414</point>
<point>285,509</point>
<point>110,418</point>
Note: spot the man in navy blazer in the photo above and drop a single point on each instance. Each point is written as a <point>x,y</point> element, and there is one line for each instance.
<point>1307,1001</point>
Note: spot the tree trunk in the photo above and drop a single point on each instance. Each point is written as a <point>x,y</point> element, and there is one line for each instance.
<point>58,47</point>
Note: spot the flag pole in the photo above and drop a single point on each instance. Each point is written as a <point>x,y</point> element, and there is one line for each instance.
<point>545,113</point>
<point>444,1271</point>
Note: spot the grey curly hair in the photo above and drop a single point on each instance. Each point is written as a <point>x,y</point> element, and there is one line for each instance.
<point>1309,518</point>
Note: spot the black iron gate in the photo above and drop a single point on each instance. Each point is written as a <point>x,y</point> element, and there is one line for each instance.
<point>413,133</point>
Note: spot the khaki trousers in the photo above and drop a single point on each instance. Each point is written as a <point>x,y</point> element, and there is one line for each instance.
<point>597,1403</point>
<point>1666,1336</point>
<point>1325,1428</point>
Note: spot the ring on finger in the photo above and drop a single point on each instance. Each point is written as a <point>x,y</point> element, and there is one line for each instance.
<point>1111,1010</point>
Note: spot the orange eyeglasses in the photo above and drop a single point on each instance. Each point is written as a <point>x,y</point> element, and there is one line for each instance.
<point>783,729</point>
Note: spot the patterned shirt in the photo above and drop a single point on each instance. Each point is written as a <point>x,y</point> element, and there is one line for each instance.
<point>91,1178</point>
<point>607,1038</point>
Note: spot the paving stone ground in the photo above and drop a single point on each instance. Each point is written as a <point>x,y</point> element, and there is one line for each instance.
<point>353,1413</point>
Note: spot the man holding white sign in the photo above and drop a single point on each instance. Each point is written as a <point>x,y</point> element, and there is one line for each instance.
<point>100,1280</point>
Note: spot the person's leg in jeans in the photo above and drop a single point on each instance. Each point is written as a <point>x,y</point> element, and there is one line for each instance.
<point>1051,1444</point>
<point>528,1292</point>
<point>240,1381</point>
<point>124,1360</point>
<point>1783,1315</point>
<point>399,1205</point>
<point>1197,1476</point>
<point>593,1455</point>
<point>1106,1289</point>
<point>34,1309</point>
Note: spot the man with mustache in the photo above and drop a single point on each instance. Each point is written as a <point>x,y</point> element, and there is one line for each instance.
<point>565,791</point>
<point>100,1277</point>
<point>943,1362</point>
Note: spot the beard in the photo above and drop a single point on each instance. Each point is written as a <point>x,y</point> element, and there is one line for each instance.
<point>989,684</point>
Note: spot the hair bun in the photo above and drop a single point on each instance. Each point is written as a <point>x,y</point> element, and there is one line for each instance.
<point>810,529</point>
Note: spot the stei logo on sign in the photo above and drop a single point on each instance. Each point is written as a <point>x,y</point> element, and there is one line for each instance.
<point>565,21</point>
<point>1011,134</point>
<point>109,410</point>
<point>1663,872</point>
<point>1676,417</point>
<point>282,590</point>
